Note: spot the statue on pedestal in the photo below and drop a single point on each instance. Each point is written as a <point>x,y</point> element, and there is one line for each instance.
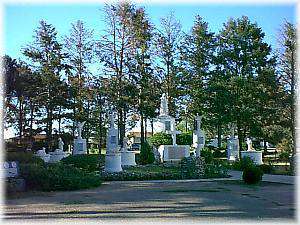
<point>164,111</point>
<point>125,146</point>
<point>60,144</point>
<point>79,128</point>
<point>249,145</point>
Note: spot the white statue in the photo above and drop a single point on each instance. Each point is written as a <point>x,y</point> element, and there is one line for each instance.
<point>79,128</point>
<point>111,120</point>
<point>164,105</point>
<point>125,140</point>
<point>249,144</point>
<point>232,128</point>
<point>60,144</point>
<point>198,122</point>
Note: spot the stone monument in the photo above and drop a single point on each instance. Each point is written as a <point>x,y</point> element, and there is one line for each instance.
<point>256,156</point>
<point>43,155</point>
<point>198,136</point>
<point>79,142</point>
<point>172,152</point>
<point>11,169</point>
<point>113,154</point>
<point>59,153</point>
<point>233,146</point>
<point>127,157</point>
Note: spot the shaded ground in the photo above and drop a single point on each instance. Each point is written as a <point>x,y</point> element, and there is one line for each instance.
<point>197,200</point>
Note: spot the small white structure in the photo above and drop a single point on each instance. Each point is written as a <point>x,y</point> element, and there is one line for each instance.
<point>43,155</point>
<point>11,169</point>
<point>127,157</point>
<point>256,156</point>
<point>233,146</point>
<point>213,143</point>
<point>113,154</point>
<point>59,153</point>
<point>198,136</point>
<point>79,142</point>
<point>172,152</point>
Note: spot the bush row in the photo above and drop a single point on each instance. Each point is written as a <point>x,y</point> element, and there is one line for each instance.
<point>57,177</point>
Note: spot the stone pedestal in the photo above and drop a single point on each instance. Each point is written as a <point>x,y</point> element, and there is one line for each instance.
<point>79,146</point>
<point>233,149</point>
<point>173,152</point>
<point>256,156</point>
<point>127,158</point>
<point>113,162</point>
<point>43,155</point>
<point>57,155</point>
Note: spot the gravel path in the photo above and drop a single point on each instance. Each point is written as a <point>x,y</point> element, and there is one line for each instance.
<point>198,200</point>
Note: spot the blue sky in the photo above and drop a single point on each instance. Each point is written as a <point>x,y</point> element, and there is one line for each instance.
<point>20,20</point>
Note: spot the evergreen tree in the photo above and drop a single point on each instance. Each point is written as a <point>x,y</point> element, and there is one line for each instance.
<point>242,55</point>
<point>46,57</point>
<point>168,38</point>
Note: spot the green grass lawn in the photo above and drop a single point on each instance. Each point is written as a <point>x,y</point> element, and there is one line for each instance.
<point>154,169</point>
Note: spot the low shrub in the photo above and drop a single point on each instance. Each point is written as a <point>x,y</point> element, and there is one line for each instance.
<point>267,168</point>
<point>245,162</point>
<point>146,154</point>
<point>217,153</point>
<point>89,163</point>
<point>57,177</point>
<point>184,139</point>
<point>192,167</point>
<point>252,175</point>
<point>216,169</point>
<point>23,157</point>
<point>207,154</point>
<point>160,138</point>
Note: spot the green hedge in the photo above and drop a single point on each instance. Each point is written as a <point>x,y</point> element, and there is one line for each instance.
<point>160,138</point>
<point>57,177</point>
<point>245,162</point>
<point>216,169</point>
<point>146,154</point>
<point>89,163</point>
<point>252,175</point>
<point>184,139</point>
<point>207,154</point>
<point>23,157</point>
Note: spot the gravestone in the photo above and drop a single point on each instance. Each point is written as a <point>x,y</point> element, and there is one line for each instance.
<point>127,157</point>
<point>256,156</point>
<point>10,173</point>
<point>198,136</point>
<point>43,155</point>
<point>11,169</point>
<point>113,154</point>
<point>172,152</point>
<point>80,143</point>
<point>233,146</point>
<point>59,153</point>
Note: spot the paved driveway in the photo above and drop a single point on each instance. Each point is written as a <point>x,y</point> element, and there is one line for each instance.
<point>223,200</point>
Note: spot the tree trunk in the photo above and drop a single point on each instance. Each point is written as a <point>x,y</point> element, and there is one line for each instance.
<point>152,127</point>
<point>219,129</point>
<point>240,137</point>
<point>100,127</point>
<point>20,119</point>
<point>31,123</point>
<point>145,129</point>
<point>88,127</point>
<point>121,127</point>
<point>59,120</point>
<point>142,129</point>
